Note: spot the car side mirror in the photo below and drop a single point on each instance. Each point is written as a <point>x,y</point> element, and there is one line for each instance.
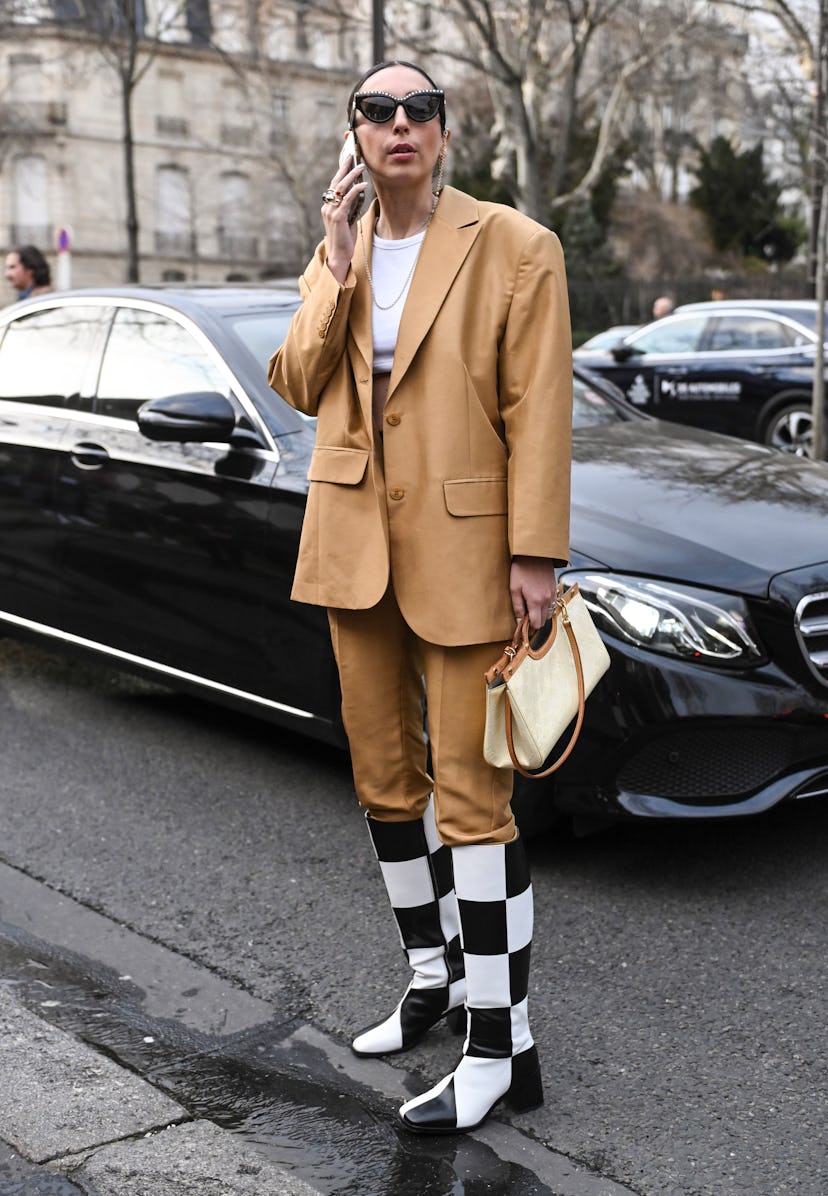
<point>622,352</point>
<point>196,416</point>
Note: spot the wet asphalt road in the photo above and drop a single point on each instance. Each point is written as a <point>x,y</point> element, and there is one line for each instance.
<point>679,975</point>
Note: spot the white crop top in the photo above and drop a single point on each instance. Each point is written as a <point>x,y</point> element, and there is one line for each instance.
<point>392,268</point>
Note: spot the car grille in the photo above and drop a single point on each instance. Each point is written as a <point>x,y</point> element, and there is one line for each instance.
<point>709,765</point>
<point>811,625</point>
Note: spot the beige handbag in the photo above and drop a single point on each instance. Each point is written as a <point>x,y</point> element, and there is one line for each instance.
<point>534,692</point>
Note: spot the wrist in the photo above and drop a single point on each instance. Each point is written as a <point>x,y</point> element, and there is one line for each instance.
<point>339,269</point>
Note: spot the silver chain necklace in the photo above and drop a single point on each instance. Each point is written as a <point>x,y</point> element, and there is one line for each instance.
<point>408,277</point>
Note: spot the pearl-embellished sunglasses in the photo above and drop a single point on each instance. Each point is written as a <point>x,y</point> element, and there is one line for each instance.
<point>380,106</point>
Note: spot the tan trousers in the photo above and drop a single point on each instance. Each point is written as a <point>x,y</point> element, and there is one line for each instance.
<point>382,668</point>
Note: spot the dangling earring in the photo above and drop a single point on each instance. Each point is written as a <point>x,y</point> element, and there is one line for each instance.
<point>441,161</point>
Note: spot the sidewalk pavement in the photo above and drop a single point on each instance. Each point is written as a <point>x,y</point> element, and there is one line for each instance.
<point>72,1121</point>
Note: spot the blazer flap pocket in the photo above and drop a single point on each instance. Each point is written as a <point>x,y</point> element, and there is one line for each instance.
<point>343,465</point>
<point>476,496</point>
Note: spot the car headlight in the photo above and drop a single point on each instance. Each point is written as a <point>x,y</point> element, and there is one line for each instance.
<point>679,620</point>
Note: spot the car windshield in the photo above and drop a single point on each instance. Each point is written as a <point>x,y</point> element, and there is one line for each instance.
<point>590,407</point>
<point>679,335</point>
<point>808,317</point>
<point>261,332</point>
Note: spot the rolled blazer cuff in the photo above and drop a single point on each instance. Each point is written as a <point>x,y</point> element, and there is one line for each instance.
<point>318,280</point>
<point>301,367</point>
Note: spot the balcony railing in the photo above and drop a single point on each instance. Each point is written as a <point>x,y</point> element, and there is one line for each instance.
<point>180,244</point>
<point>172,126</point>
<point>35,117</point>
<point>41,235</point>
<point>238,135</point>
<point>238,245</point>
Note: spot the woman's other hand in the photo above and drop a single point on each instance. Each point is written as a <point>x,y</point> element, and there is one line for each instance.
<point>340,235</point>
<point>532,585</point>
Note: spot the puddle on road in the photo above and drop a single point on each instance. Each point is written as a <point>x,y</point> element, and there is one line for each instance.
<point>264,1083</point>
<point>19,1178</point>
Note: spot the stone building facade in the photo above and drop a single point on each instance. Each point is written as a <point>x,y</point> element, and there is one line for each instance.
<point>232,124</point>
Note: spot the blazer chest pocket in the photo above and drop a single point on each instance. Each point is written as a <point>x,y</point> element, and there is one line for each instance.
<point>343,465</point>
<point>476,496</point>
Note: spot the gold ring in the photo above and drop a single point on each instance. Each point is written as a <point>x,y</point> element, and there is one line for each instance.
<point>331,196</point>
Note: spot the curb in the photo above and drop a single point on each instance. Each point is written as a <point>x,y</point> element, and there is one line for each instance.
<point>74,1121</point>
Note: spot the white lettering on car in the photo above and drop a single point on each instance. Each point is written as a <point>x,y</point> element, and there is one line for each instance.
<point>674,388</point>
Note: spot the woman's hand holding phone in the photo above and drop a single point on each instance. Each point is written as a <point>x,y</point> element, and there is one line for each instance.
<point>340,218</point>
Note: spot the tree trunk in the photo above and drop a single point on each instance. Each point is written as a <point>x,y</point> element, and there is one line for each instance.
<point>818,407</point>
<point>527,169</point>
<point>133,274</point>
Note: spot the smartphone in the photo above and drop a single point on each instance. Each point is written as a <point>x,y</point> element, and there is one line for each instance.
<point>350,149</point>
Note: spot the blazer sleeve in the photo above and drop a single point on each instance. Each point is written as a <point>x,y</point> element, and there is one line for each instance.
<point>304,363</point>
<point>535,389</point>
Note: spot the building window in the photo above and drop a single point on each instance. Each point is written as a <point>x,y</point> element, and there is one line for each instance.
<point>26,76</point>
<point>174,224</point>
<point>171,120</point>
<point>30,201</point>
<point>235,231</point>
<point>235,115</point>
<point>199,23</point>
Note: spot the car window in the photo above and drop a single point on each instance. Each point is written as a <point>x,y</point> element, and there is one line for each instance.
<point>681,335</point>
<point>149,356</point>
<point>50,357</point>
<point>260,333</point>
<point>589,407</point>
<point>748,332</point>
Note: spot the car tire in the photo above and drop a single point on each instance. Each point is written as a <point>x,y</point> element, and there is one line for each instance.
<point>789,427</point>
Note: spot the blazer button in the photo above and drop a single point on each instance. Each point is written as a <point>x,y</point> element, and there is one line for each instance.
<point>393,419</point>
<point>396,493</point>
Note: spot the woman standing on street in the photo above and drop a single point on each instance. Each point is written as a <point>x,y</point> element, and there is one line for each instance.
<point>433,344</point>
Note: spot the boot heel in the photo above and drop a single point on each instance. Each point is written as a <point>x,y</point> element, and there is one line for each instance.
<point>456,1020</point>
<point>526,1089</point>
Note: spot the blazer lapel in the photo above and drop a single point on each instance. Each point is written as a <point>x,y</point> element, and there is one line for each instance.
<point>361,349</point>
<point>449,238</point>
<point>360,315</point>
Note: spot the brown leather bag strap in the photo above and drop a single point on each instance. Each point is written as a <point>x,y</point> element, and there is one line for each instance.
<point>510,743</point>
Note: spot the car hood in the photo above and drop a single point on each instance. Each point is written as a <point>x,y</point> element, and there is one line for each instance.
<point>676,502</point>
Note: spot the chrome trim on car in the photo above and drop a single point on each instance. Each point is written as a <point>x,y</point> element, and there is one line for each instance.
<point>649,805</point>
<point>812,633</point>
<point>153,665</point>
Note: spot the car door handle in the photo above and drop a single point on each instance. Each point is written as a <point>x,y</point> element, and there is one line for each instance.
<point>87,455</point>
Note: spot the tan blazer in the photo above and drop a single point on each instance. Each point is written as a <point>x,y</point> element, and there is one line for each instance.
<point>476,429</point>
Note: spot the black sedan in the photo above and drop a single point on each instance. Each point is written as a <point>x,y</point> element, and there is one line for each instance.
<point>152,490</point>
<point>744,370</point>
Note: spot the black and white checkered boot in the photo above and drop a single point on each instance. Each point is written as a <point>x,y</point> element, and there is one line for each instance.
<point>499,1059</point>
<point>416,868</point>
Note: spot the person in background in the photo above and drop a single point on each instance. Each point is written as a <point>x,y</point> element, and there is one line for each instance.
<point>434,346</point>
<point>28,271</point>
<point>662,306</point>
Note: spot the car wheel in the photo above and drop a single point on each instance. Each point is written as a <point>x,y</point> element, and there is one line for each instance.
<point>790,428</point>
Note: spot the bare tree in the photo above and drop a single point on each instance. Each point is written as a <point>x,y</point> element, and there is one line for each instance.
<point>296,155</point>
<point>553,68</point>
<point>805,25</point>
<point>117,31</point>
<point>820,206</point>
